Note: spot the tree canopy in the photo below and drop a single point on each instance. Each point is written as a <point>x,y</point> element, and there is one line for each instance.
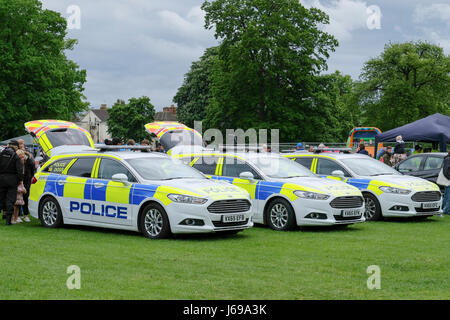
<point>127,120</point>
<point>36,79</point>
<point>194,95</point>
<point>269,58</point>
<point>407,82</point>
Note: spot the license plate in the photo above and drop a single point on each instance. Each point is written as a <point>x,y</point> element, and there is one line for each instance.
<point>233,218</point>
<point>430,205</point>
<point>351,213</point>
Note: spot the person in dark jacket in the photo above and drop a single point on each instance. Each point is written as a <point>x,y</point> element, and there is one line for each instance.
<point>362,149</point>
<point>11,174</point>
<point>30,170</point>
<point>399,153</point>
<point>444,180</point>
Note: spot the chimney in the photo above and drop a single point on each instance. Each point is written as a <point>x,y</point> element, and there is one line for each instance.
<point>171,109</point>
<point>103,107</point>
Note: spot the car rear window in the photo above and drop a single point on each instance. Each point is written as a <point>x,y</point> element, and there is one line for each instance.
<point>57,167</point>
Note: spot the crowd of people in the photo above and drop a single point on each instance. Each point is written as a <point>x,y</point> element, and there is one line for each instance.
<point>131,142</point>
<point>17,169</point>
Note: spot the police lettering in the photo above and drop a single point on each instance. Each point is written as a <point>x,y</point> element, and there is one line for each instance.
<point>99,210</point>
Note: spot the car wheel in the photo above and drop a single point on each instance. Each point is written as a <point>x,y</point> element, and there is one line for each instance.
<point>50,213</point>
<point>373,208</point>
<point>154,222</point>
<point>280,216</point>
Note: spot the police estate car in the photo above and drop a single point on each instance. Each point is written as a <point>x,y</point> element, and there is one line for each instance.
<point>284,194</point>
<point>150,193</point>
<point>387,193</point>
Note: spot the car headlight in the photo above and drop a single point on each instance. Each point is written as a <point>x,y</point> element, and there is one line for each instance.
<point>394,190</point>
<point>186,199</point>
<point>311,195</point>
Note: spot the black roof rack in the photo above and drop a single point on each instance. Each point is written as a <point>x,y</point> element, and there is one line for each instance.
<point>104,147</point>
<point>340,150</point>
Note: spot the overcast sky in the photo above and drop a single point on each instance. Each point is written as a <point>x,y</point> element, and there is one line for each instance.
<point>132,48</point>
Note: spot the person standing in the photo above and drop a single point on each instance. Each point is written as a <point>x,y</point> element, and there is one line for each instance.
<point>20,192</point>
<point>418,149</point>
<point>299,147</point>
<point>11,174</point>
<point>362,149</point>
<point>29,171</point>
<point>159,148</point>
<point>386,158</point>
<point>399,151</point>
<point>444,180</point>
<point>145,143</point>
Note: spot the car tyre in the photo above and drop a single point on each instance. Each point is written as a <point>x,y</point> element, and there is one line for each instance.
<point>50,213</point>
<point>154,223</point>
<point>373,209</point>
<point>280,215</point>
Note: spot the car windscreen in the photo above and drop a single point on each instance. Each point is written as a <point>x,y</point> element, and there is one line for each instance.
<point>180,137</point>
<point>368,167</point>
<point>67,136</point>
<point>275,167</point>
<point>163,169</point>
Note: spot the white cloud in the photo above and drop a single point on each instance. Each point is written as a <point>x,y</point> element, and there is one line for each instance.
<point>435,11</point>
<point>433,23</point>
<point>346,16</point>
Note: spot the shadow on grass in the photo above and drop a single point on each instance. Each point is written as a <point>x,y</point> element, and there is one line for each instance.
<point>338,228</point>
<point>432,219</point>
<point>199,237</point>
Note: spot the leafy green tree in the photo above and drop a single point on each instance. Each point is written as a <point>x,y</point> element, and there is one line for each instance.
<point>127,120</point>
<point>270,55</point>
<point>36,80</point>
<point>336,111</point>
<point>194,95</point>
<point>407,82</point>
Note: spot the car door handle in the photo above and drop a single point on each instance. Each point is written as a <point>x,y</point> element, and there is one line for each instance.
<point>61,182</point>
<point>99,185</point>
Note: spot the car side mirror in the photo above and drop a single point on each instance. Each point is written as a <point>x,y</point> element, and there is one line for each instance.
<point>338,173</point>
<point>246,175</point>
<point>121,177</point>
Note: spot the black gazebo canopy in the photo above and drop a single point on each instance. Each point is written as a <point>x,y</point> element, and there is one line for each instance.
<point>434,128</point>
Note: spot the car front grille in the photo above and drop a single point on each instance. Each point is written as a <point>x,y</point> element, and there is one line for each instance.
<point>426,196</point>
<point>229,206</point>
<point>347,202</point>
<point>219,224</point>
<point>341,218</point>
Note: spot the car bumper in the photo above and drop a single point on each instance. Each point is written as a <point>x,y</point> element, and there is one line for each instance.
<point>33,208</point>
<point>403,206</point>
<point>303,208</point>
<point>179,213</point>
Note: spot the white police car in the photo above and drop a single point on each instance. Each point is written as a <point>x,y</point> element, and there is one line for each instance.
<point>284,194</point>
<point>150,193</point>
<point>387,192</point>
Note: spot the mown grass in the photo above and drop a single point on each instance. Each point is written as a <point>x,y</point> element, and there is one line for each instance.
<point>414,258</point>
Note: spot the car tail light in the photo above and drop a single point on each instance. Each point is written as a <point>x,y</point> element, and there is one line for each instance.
<point>34,180</point>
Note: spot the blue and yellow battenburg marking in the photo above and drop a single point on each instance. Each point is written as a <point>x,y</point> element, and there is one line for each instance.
<point>101,190</point>
<point>262,190</point>
<point>364,184</point>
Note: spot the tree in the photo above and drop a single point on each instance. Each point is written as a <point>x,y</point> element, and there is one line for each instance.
<point>270,55</point>
<point>36,80</point>
<point>407,82</point>
<point>336,110</point>
<point>194,95</point>
<point>127,121</point>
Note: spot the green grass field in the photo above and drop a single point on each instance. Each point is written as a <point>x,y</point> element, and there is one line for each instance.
<point>414,258</point>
